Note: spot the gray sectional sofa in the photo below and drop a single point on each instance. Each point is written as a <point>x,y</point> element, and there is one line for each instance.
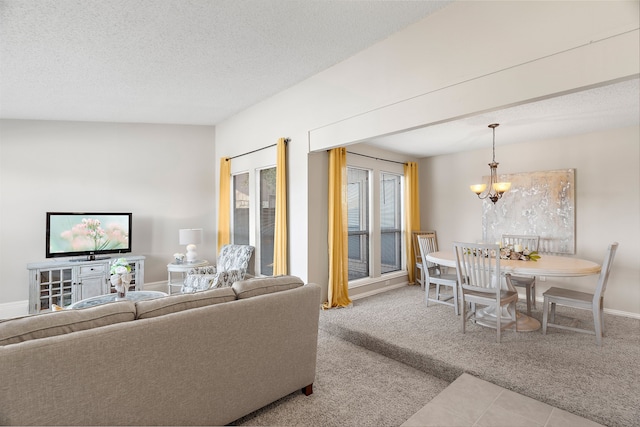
<point>206,358</point>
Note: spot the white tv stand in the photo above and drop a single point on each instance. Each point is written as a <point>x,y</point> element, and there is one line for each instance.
<point>65,282</point>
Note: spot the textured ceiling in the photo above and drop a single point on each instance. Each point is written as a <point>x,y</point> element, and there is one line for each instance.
<point>176,61</point>
<point>201,61</point>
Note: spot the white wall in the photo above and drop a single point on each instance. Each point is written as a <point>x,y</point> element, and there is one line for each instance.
<point>163,174</point>
<point>466,58</point>
<point>607,170</point>
<point>508,52</point>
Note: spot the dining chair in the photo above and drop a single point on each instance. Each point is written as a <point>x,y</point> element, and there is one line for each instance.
<point>583,300</point>
<point>436,274</point>
<point>478,270</point>
<point>417,257</point>
<point>528,282</point>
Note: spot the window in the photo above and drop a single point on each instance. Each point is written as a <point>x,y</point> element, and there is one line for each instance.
<point>358,222</point>
<point>267,219</point>
<point>390,223</point>
<point>241,209</point>
<point>253,197</point>
<point>375,219</point>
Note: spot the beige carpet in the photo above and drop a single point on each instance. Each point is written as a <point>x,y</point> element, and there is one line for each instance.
<point>564,369</point>
<point>353,387</point>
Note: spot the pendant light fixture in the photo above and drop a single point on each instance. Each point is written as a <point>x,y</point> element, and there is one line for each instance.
<point>496,189</point>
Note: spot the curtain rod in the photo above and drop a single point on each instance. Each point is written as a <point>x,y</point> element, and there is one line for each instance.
<point>377,158</point>
<point>286,141</point>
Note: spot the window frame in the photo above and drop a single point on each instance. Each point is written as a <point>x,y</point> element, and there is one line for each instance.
<point>364,218</point>
<point>377,167</point>
<point>398,226</point>
<point>252,164</point>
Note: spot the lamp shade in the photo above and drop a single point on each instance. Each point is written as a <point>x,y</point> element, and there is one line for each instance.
<point>478,188</point>
<point>190,236</point>
<point>502,187</point>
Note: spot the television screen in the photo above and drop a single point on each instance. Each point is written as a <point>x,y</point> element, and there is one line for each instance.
<point>71,233</point>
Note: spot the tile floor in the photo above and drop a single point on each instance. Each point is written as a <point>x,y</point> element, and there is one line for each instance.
<point>470,401</point>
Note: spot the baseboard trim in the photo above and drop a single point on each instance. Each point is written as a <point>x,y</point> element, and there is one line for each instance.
<point>377,291</point>
<point>611,311</point>
<point>21,308</point>
<point>538,300</point>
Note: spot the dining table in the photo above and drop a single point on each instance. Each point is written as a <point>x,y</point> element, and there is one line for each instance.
<point>546,265</point>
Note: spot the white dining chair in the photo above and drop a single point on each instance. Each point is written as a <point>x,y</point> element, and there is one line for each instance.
<point>434,274</point>
<point>478,270</point>
<point>583,300</point>
<point>419,277</point>
<point>528,282</point>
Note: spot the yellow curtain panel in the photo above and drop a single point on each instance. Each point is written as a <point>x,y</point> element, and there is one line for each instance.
<point>412,215</point>
<point>338,293</point>
<point>280,256</point>
<point>224,204</point>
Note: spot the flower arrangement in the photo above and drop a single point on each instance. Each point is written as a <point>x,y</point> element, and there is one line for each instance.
<point>522,255</point>
<point>508,253</point>
<point>179,257</point>
<point>120,266</point>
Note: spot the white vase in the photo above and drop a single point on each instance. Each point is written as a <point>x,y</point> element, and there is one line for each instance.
<point>121,283</point>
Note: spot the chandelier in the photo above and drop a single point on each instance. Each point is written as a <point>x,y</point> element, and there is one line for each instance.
<point>496,189</point>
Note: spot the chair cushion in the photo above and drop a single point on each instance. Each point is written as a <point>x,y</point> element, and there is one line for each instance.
<point>174,303</point>
<point>234,257</point>
<point>197,282</point>
<point>63,322</point>
<point>224,279</point>
<point>265,285</point>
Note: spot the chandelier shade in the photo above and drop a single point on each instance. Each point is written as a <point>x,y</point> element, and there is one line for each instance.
<point>496,189</point>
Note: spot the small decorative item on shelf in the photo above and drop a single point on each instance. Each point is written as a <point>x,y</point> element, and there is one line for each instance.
<point>178,257</point>
<point>120,276</point>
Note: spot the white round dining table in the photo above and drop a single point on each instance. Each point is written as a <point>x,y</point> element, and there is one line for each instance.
<point>547,265</point>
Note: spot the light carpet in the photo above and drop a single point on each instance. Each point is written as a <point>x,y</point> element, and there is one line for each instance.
<point>353,387</point>
<point>564,369</point>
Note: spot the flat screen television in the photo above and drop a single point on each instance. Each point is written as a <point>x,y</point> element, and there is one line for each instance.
<point>88,234</point>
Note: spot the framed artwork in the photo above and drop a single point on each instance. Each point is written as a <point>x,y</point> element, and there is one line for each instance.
<point>538,203</point>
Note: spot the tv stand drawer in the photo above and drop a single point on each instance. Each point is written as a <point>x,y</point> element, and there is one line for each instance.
<point>93,269</point>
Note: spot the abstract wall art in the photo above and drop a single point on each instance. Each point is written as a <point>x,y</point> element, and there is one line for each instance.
<point>538,203</point>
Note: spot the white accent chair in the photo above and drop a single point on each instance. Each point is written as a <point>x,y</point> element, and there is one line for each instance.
<point>234,262</point>
<point>584,300</point>
<point>436,274</point>
<point>478,269</point>
<point>529,282</point>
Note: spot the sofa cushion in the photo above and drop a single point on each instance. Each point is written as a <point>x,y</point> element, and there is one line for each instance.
<point>171,304</point>
<point>63,322</point>
<point>265,285</point>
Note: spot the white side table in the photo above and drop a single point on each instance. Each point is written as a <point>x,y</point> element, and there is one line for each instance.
<point>182,269</point>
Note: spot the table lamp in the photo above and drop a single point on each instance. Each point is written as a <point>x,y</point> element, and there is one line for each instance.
<point>190,237</point>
